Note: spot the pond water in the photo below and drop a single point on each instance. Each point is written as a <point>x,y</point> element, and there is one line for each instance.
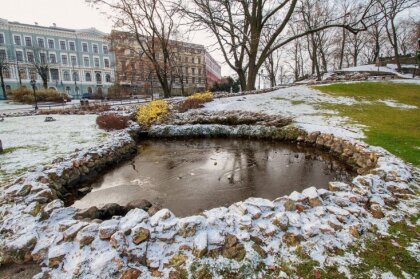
<point>189,176</point>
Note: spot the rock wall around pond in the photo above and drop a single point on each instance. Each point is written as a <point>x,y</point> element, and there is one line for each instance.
<point>36,226</point>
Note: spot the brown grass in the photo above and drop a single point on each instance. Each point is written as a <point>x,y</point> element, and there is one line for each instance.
<point>26,96</point>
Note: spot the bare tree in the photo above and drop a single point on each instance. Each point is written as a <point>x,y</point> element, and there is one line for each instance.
<point>151,23</point>
<point>391,9</point>
<point>238,27</point>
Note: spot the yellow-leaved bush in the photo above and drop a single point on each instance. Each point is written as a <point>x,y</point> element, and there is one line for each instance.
<point>195,101</point>
<point>155,112</point>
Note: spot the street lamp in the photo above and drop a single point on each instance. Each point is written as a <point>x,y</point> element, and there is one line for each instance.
<point>33,84</point>
<point>259,78</point>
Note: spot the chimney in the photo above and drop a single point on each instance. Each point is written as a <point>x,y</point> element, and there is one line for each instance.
<point>36,23</point>
<point>54,25</point>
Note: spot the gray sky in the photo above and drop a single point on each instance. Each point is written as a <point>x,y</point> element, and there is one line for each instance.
<point>76,14</point>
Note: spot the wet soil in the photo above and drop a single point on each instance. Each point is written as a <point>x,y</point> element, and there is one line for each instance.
<point>189,176</point>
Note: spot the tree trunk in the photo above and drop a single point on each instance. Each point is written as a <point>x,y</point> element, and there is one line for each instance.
<point>3,87</point>
<point>397,56</point>
<point>343,44</point>
<point>252,76</point>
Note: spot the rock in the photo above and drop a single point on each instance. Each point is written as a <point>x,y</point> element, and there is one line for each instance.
<point>56,255</point>
<point>91,213</point>
<point>161,215</point>
<point>111,209</point>
<point>281,220</point>
<point>132,218</point>
<point>53,205</point>
<point>291,239</point>
<point>141,203</point>
<point>118,241</point>
<point>259,250</point>
<point>338,186</point>
<point>233,249</point>
<point>200,245</point>
<point>335,225</point>
<point>155,208</point>
<point>300,207</point>
<point>188,226</point>
<point>33,208</point>
<point>83,191</point>
<point>178,260</point>
<point>19,249</point>
<point>315,202</point>
<point>290,205</point>
<point>354,230</point>
<point>87,234</point>
<point>131,273</point>
<point>376,211</point>
<point>108,228</point>
<point>140,235</point>
<point>71,232</point>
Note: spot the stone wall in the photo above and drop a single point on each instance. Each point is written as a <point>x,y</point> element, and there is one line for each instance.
<point>247,235</point>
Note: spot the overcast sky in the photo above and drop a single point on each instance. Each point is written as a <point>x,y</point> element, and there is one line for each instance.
<point>75,14</point>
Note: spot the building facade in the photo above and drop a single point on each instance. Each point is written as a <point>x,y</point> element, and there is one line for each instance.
<point>188,66</point>
<point>79,61</point>
<point>213,70</point>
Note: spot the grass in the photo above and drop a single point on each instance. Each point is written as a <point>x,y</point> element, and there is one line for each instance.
<point>395,129</point>
<point>13,149</point>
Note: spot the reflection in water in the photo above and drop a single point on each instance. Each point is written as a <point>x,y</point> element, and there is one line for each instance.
<point>189,176</point>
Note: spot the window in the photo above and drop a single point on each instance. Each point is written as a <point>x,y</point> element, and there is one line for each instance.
<point>1,38</point>
<point>22,74</point>
<point>66,75</point>
<point>73,59</point>
<point>95,48</point>
<point>199,71</point>
<point>96,60</point>
<point>105,49</point>
<point>193,71</point>
<point>98,77</point>
<point>33,73</point>
<point>30,56</point>
<point>51,43</point>
<point>199,60</point>
<point>19,56</point>
<point>64,59</point>
<point>107,78</point>
<point>88,77</point>
<point>63,45</point>
<point>43,58</point>
<point>86,61</point>
<point>53,58</point>
<point>193,80</point>
<point>72,46</point>
<point>75,76</point>
<point>17,40</point>
<point>41,42</point>
<point>28,41</point>
<point>85,47</point>
<point>6,74</point>
<point>3,54</point>
<point>54,74</point>
<point>106,62</point>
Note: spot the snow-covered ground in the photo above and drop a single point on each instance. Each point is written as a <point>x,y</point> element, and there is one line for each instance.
<point>299,102</point>
<point>37,142</point>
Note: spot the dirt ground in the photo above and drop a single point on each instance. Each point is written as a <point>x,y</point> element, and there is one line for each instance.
<point>19,271</point>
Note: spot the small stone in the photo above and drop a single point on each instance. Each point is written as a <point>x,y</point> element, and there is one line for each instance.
<point>132,218</point>
<point>71,232</point>
<point>200,245</point>
<point>315,202</point>
<point>233,249</point>
<point>376,211</point>
<point>354,231</point>
<point>141,203</point>
<point>55,204</point>
<point>281,220</point>
<point>140,235</point>
<point>335,225</point>
<point>91,213</point>
<point>289,205</point>
<point>291,239</point>
<point>335,186</point>
<point>300,207</point>
<point>118,241</point>
<point>87,234</point>
<point>33,208</point>
<point>178,260</point>
<point>131,273</point>
<point>161,215</point>
<point>152,210</point>
<point>108,228</point>
<point>111,209</point>
<point>259,250</point>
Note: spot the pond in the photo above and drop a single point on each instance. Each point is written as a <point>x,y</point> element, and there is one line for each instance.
<point>190,176</point>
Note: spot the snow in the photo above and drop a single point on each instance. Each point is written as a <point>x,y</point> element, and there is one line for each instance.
<point>39,142</point>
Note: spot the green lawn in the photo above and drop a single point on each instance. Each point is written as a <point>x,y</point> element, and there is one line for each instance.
<point>396,129</point>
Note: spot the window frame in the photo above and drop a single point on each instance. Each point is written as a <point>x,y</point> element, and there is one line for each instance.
<point>33,56</point>
<point>109,62</point>
<point>43,40</point>
<point>93,48</point>
<point>74,46</point>
<point>96,58</point>
<point>21,51</point>
<point>30,39</point>
<point>88,60</point>
<point>61,45</point>
<point>87,47</point>
<point>48,43</point>
<point>55,57</point>
<point>14,39</point>
<point>4,38</point>
<point>61,59</point>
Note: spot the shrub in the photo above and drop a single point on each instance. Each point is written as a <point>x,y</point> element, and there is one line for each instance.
<point>112,121</point>
<point>154,112</point>
<point>195,101</point>
<point>26,95</point>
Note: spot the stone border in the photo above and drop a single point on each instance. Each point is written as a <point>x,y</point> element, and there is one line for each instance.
<point>36,226</point>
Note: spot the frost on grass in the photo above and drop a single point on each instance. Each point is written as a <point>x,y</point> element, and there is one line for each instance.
<point>36,142</point>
